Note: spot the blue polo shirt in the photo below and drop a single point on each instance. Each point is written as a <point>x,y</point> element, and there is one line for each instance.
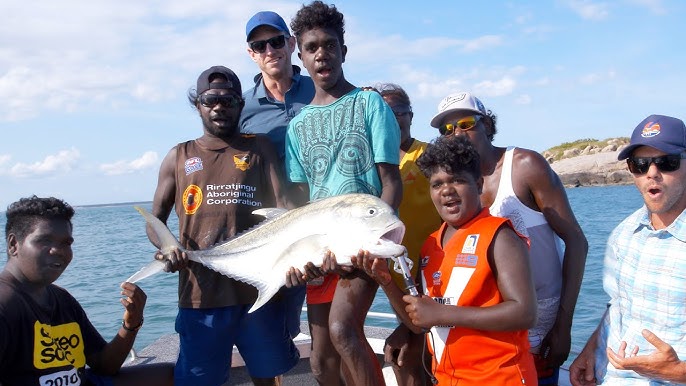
<point>263,114</point>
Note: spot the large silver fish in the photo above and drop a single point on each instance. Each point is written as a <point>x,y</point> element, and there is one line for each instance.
<point>262,255</point>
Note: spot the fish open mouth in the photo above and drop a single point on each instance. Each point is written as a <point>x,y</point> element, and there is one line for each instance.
<point>395,232</point>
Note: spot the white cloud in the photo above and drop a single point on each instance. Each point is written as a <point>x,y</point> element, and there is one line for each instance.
<point>4,158</point>
<point>523,99</point>
<point>489,88</point>
<point>589,10</point>
<point>366,50</point>
<point>151,52</point>
<point>440,89</point>
<point>655,6</point>
<point>481,43</point>
<point>595,78</point>
<point>146,161</point>
<point>542,81</point>
<point>60,163</point>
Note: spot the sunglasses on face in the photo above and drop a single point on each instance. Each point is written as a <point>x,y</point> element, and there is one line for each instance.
<point>211,100</point>
<point>665,163</point>
<point>401,113</point>
<point>464,124</point>
<point>277,42</point>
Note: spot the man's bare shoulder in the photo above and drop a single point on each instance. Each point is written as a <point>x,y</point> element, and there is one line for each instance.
<point>531,159</point>
<point>532,166</point>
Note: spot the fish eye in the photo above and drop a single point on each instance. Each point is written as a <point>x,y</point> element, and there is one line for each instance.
<point>371,211</point>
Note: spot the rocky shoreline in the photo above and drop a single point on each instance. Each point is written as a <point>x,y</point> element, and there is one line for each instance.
<point>590,163</point>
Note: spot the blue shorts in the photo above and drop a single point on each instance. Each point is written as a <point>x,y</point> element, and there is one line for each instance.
<point>207,337</point>
<point>546,376</point>
<point>293,298</point>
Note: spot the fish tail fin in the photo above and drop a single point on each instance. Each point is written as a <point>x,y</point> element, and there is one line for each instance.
<point>149,270</point>
<point>264,294</point>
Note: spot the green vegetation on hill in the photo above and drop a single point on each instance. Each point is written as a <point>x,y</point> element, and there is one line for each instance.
<point>558,152</point>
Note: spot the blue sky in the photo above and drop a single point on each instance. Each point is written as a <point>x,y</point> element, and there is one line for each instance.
<point>93,93</point>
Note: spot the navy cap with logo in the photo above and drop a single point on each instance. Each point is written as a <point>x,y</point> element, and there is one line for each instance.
<point>661,132</point>
<point>269,18</point>
<point>205,80</point>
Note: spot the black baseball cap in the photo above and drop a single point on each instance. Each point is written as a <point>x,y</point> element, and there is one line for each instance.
<point>205,79</point>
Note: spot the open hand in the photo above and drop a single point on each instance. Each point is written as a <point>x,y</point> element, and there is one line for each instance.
<point>662,364</point>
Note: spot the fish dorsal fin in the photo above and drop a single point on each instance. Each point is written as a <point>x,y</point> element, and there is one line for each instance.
<point>270,213</point>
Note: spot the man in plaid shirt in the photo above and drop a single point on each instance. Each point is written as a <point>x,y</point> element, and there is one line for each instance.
<point>643,333</point>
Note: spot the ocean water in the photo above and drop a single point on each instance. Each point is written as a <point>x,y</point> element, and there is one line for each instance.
<point>111,244</point>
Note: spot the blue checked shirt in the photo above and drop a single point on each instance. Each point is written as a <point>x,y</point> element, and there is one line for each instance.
<point>645,277</point>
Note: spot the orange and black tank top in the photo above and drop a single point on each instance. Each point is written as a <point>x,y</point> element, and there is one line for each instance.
<point>217,188</point>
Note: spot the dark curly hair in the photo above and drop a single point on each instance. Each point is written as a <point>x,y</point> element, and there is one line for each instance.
<point>23,215</point>
<point>489,122</point>
<point>318,15</point>
<point>451,153</point>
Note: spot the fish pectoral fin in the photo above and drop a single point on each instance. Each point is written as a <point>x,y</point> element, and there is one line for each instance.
<point>312,247</point>
<point>264,294</point>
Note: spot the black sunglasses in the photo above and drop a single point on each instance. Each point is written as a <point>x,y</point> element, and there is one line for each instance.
<point>276,42</point>
<point>211,100</point>
<point>665,163</point>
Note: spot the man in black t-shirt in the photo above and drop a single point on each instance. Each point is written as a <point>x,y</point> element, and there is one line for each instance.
<point>45,335</point>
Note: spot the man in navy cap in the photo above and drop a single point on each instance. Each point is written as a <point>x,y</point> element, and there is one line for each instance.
<point>642,336</point>
<point>200,179</point>
<point>279,91</point>
<point>277,96</point>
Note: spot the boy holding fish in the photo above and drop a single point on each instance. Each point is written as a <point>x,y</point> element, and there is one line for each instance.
<point>478,296</point>
<point>345,141</point>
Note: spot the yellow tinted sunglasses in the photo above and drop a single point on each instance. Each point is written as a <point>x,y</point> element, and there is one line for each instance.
<point>464,124</point>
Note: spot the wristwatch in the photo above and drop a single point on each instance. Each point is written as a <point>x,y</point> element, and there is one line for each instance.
<point>138,327</point>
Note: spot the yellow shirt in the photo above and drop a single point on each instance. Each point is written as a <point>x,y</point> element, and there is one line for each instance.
<point>416,210</point>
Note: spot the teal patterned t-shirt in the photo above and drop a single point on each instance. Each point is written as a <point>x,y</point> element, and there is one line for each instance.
<point>335,148</point>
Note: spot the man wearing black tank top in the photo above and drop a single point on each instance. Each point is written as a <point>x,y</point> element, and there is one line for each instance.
<point>214,183</point>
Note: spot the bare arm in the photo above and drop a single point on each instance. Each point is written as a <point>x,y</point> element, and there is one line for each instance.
<point>163,200</point>
<point>162,205</point>
<point>582,370</point>
<point>509,259</point>
<point>391,184</point>
<point>299,193</point>
<point>551,199</point>
<point>276,179</point>
<point>108,361</point>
